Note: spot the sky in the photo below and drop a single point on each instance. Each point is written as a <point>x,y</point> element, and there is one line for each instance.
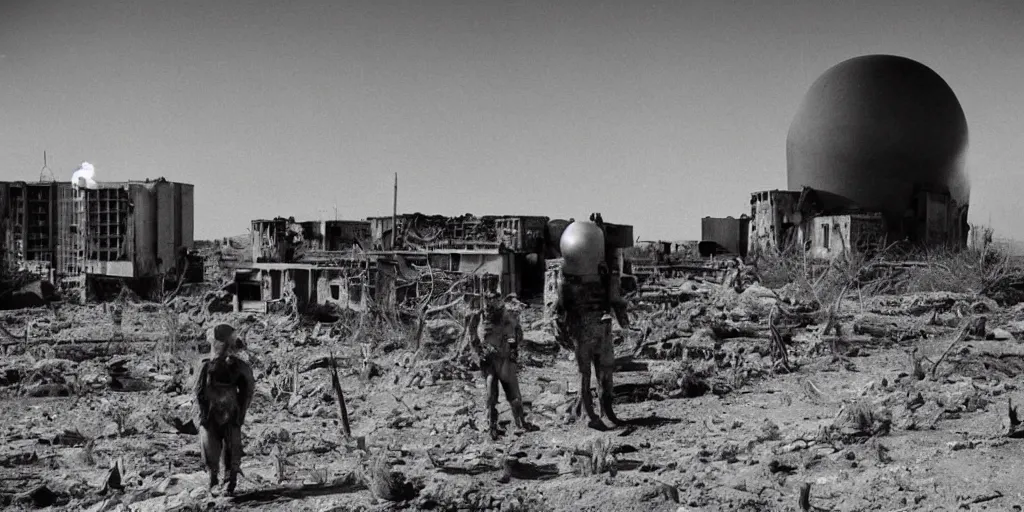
<point>655,114</point>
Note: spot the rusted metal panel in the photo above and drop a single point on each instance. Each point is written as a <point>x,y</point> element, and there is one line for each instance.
<point>5,226</point>
<point>619,236</point>
<point>143,219</point>
<point>166,217</point>
<point>729,232</point>
<point>188,214</point>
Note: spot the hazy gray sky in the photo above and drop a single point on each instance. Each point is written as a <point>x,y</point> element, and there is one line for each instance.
<point>653,113</point>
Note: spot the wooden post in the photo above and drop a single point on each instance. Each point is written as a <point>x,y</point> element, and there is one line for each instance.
<point>339,395</point>
<point>394,215</point>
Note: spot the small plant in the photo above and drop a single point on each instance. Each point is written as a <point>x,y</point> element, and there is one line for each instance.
<point>595,457</point>
<point>386,484</point>
<point>916,368</point>
<point>120,415</point>
<point>89,452</point>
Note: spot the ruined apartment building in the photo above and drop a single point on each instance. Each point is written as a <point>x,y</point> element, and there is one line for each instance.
<point>383,259</point>
<point>130,231</point>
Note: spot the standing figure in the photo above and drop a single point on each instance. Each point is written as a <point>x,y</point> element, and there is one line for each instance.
<point>495,335</point>
<point>583,311</point>
<point>223,391</point>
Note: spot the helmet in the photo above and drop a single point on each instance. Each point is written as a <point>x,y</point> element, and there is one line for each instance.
<point>220,332</point>
<point>582,248</point>
<point>224,340</point>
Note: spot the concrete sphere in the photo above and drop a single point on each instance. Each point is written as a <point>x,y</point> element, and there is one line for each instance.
<point>871,128</point>
<point>582,247</point>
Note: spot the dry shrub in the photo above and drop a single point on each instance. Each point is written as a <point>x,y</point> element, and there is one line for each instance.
<point>861,420</point>
<point>943,270</point>
<point>595,457</point>
<point>896,269</point>
<point>812,281</point>
<point>386,484</point>
<point>385,330</point>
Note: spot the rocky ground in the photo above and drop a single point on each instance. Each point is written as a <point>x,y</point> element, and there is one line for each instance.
<point>906,408</point>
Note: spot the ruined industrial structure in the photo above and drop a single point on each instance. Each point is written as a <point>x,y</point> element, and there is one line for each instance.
<point>383,260</point>
<point>76,237</point>
<point>874,155</point>
<point>724,236</point>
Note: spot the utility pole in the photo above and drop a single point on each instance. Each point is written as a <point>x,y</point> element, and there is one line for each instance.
<point>394,215</point>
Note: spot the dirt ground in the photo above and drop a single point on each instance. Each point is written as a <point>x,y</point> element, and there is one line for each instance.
<point>97,417</point>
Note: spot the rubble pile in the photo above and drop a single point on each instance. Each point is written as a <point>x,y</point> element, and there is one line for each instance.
<point>736,397</point>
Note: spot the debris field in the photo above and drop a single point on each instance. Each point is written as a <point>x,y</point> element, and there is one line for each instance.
<point>736,395</point>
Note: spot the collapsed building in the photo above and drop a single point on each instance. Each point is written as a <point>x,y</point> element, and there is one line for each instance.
<point>80,238</point>
<point>384,260</point>
<point>874,154</point>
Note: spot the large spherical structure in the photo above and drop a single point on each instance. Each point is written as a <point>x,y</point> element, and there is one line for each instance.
<point>582,247</point>
<point>872,130</point>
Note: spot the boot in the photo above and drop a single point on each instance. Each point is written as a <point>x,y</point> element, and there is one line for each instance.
<point>606,410</point>
<point>492,420</point>
<point>606,395</point>
<point>232,480</point>
<point>574,411</point>
<point>520,417</point>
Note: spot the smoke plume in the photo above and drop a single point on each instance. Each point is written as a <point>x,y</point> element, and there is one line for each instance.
<point>83,176</point>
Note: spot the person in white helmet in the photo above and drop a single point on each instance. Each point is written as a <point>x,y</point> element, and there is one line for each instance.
<point>586,300</point>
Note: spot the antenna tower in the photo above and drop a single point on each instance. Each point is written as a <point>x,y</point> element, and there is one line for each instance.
<point>46,171</point>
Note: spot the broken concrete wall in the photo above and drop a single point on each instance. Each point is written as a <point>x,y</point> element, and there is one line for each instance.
<point>341,235</point>
<point>342,289</point>
<point>522,234</point>
<point>830,236</point>
<point>776,220</point>
<point>500,265</point>
<point>300,283</point>
<point>246,288</point>
<point>835,235</point>
<point>286,241</point>
<point>383,282</point>
<point>437,232</point>
<point>412,230</point>
<point>552,281</point>
<point>313,236</point>
<point>276,241</point>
